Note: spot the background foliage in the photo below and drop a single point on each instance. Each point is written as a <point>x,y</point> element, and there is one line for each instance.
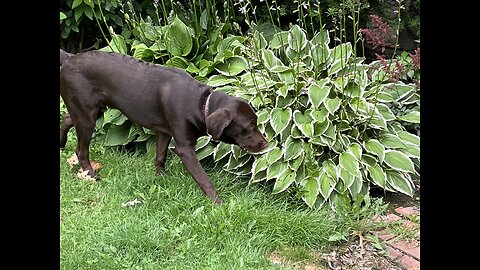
<point>338,123</point>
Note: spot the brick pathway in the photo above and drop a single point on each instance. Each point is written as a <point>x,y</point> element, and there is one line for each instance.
<point>406,253</point>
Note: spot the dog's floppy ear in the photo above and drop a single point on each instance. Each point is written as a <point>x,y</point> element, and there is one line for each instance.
<point>217,122</point>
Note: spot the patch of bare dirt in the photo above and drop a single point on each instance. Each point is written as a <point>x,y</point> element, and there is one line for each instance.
<point>354,256</point>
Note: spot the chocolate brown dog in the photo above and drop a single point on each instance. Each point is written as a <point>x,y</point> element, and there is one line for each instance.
<point>166,100</point>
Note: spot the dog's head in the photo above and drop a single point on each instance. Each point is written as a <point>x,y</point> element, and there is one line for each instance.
<point>236,123</point>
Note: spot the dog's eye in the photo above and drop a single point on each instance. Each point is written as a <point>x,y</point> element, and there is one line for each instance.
<point>251,126</point>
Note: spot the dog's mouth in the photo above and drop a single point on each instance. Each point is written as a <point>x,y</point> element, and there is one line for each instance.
<point>254,148</point>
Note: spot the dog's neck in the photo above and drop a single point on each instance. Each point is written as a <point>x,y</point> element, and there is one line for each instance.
<point>207,102</point>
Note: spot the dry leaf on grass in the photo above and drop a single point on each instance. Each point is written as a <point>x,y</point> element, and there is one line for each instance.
<point>73,160</point>
<point>84,175</point>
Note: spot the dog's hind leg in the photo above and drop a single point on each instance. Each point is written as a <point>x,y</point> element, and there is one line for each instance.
<point>163,140</point>
<point>67,123</point>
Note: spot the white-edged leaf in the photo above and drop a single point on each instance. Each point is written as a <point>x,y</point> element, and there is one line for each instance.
<point>375,147</point>
<point>391,141</point>
<point>385,111</point>
<point>348,161</point>
<point>318,92</point>
<point>263,116</point>
<point>260,164</point>
<point>408,137</point>
<point>347,177</point>
<point>297,39</point>
<point>311,190</point>
<point>327,184</point>
<point>221,151</point>
<point>202,142</point>
<point>332,105</point>
<point>399,161</point>
<point>273,155</point>
<point>329,167</point>
<point>399,182</point>
<point>220,80</point>
<point>356,150</point>
<point>205,151</point>
<point>292,149</point>
<point>377,175</point>
<point>411,150</point>
<point>284,181</point>
<point>411,117</point>
<point>280,118</point>
<point>279,40</point>
<point>232,66</point>
<point>276,169</point>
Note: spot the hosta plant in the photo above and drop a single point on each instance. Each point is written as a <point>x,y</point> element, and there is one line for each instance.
<point>329,118</point>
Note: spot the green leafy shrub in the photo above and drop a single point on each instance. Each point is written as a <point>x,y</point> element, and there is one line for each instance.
<point>329,118</point>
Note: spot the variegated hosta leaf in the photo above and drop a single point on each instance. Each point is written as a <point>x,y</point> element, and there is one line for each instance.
<point>279,40</point>
<point>205,151</point>
<point>356,150</point>
<point>269,59</point>
<point>263,116</point>
<point>320,127</point>
<point>220,80</point>
<point>273,155</point>
<point>399,161</point>
<point>352,90</point>
<point>411,117</point>
<point>319,115</point>
<point>391,141</point>
<point>276,169</point>
<point>356,186</point>
<point>378,122</point>
<point>342,52</point>
<point>399,182</point>
<point>412,150</point>
<point>375,147</point>
<point>327,184</point>
<point>329,167</point>
<point>260,176</point>
<point>280,119</point>
<point>408,137</point>
<point>311,190</point>
<point>400,91</point>
<point>232,66</point>
<point>297,39</point>
<point>221,151</point>
<point>348,161</point>
<point>284,181</point>
<point>292,149</point>
<point>377,175</point>
<point>332,104</point>
<point>235,164</point>
<point>318,92</point>
<point>385,112</point>
<point>297,162</point>
<point>347,177</point>
<point>260,164</point>
<point>202,142</point>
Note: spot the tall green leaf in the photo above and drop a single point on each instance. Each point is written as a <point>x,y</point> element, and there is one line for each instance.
<point>348,161</point>
<point>178,39</point>
<point>297,39</point>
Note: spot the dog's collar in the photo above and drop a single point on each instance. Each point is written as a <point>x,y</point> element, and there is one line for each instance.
<point>207,102</point>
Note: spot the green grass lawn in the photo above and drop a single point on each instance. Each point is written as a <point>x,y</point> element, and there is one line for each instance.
<point>175,226</point>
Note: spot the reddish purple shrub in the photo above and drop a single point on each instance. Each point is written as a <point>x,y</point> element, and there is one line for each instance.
<point>381,35</point>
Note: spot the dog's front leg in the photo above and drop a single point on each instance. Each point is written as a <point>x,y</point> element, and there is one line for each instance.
<point>190,160</point>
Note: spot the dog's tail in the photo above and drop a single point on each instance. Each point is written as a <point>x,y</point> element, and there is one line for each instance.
<point>64,55</point>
